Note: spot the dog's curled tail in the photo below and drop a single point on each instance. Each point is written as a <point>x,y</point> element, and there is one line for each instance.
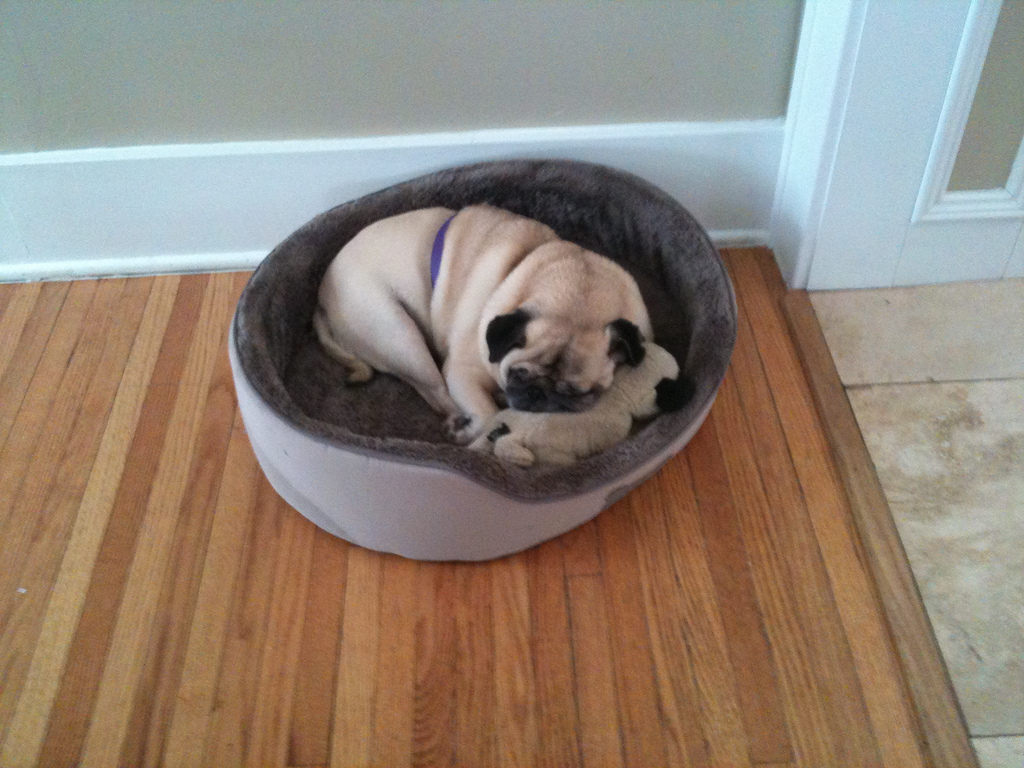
<point>358,371</point>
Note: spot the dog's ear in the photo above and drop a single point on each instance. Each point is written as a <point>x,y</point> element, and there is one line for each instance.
<point>626,343</point>
<point>505,333</point>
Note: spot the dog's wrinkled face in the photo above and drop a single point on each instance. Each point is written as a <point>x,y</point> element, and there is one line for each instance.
<point>549,364</point>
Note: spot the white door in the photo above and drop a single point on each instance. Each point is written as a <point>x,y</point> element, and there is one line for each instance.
<point>903,87</point>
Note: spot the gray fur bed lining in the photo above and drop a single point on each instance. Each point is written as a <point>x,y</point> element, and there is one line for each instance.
<point>613,213</point>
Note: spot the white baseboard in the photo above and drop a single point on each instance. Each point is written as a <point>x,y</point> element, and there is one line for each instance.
<point>207,207</point>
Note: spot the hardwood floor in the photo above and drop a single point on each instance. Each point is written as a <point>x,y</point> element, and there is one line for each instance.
<point>161,605</point>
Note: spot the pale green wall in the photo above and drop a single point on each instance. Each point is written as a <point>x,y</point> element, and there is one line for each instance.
<point>996,124</point>
<point>97,73</point>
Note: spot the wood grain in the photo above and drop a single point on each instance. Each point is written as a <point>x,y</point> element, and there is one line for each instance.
<point>65,605</point>
<point>600,729</point>
<point>643,740</point>
<point>882,679</point>
<point>25,408</point>
<point>945,733</point>
<point>783,492</point>
<point>685,624</point>
<point>182,614</point>
<point>675,675</point>
<point>750,654</point>
<point>475,674</point>
<point>392,734</point>
<point>28,341</point>
<point>436,664</point>
<point>164,655</point>
<point>268,744</point>
<point>43,513</point>
<point>351,736</point>
<point>232,706</point>
<point>315,676</point>
<point>72,708</point>
<point>16,305</point>
<point>227,549</point>
<point>515,688</point>
<point>550,644</point>
<point>141,594</point>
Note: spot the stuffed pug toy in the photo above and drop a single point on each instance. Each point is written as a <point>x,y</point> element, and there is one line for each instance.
<point>640,392</point>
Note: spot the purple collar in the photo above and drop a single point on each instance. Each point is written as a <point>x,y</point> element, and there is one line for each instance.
<point>437,250</point>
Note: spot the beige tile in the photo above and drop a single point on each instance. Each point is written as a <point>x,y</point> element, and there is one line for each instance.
<point>1000,751</point>
<point>956,332</point>
<point>951,460</point>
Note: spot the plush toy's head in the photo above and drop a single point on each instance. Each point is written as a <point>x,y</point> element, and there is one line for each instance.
<point>653,386</point>
<point>637,392</point>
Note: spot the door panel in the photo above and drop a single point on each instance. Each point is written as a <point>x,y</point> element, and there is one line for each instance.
<point>887,218</point>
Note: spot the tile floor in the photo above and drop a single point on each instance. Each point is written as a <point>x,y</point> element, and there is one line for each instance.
<point>935,375</point>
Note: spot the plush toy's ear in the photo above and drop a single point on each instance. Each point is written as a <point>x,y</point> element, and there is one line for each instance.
<point>673,394</point>
<point>626,343</point>
<point>505,333</point>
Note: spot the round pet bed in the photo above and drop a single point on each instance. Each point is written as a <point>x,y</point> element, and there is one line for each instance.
<point>372,464</point>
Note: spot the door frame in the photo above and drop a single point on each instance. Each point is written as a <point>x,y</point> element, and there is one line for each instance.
<point>880,97</point>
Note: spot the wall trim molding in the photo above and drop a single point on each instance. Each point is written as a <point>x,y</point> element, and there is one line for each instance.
<point>241,261</point>
<point>209,207</point>
<point>830,34</point>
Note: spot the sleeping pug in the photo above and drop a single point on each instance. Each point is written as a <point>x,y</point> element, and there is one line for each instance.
<point>507,307</point>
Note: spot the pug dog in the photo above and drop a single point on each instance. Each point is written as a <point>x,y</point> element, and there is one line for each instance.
<point>470,305</point>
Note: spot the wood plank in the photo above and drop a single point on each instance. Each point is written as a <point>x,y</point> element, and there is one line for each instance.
<point>54,420</point>
<point>729,568</point>
<point>43,514</point>
<point>829,643</point>
<point>351,736</point>
<point>165,652</point>
<point>636,683</point>
<point>600,730</point>
<point>671,650</point>
<point>392,734</point>
<point>137,612</point>
<point>24,415</point>
<point>945,733</point>
<point>582,551</point>
<point>25,350</point>
<point>687,637</point>
<point>7,291</point>
<point>315,678</point>
<point>515,722</point>
<point>73,705</point>
<point>882,680</point>
<point>268,744</point>
<point>557,718</point>
<point>68,594</point>
<point>773,565</point>
<point>475,673</point>
<point>436,662</point>
<point>229,547</point>
<point>231,710</point>
<point>16,307</point>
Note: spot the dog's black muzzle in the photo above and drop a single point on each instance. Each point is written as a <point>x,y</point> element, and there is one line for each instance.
<point>540,394</point>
